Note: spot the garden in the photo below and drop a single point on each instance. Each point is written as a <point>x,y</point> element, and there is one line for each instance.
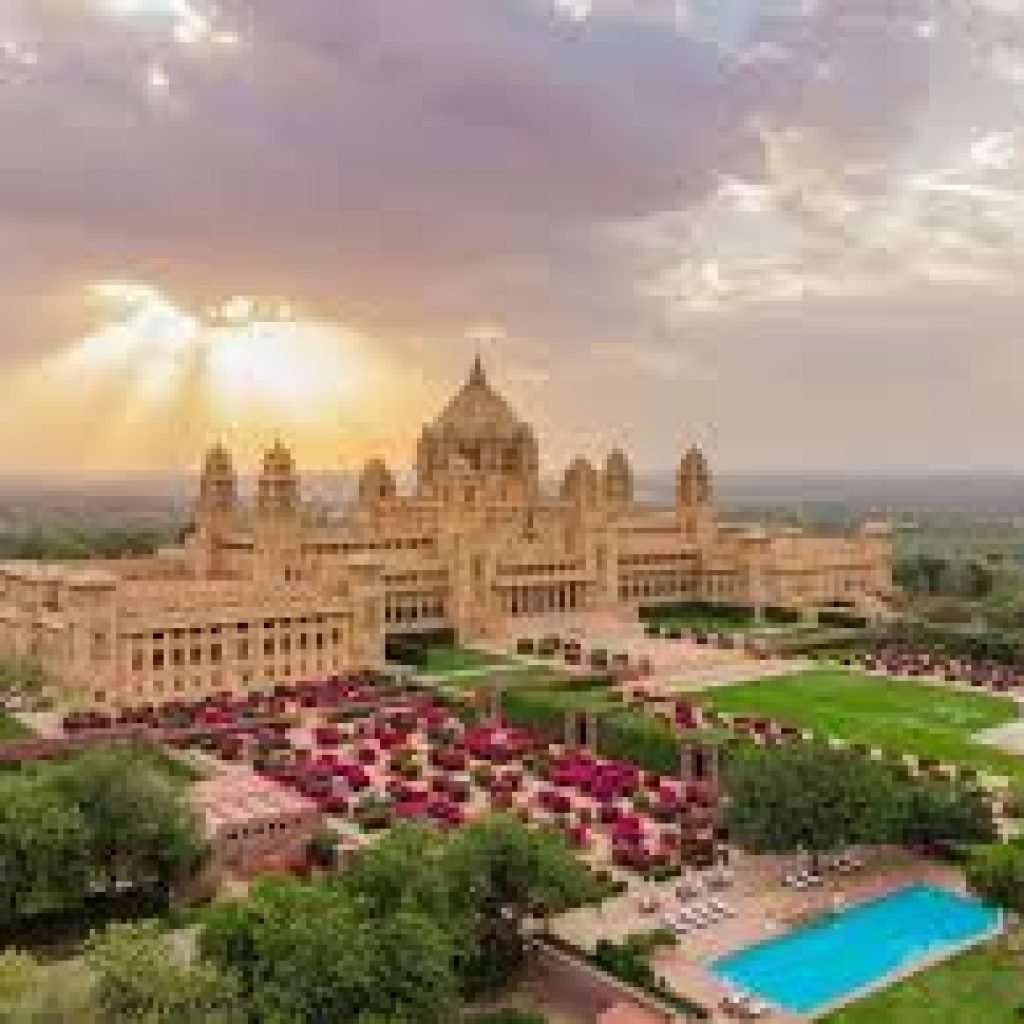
<point>898,716</point>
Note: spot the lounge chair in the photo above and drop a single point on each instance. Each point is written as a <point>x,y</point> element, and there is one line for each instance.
<point>734,1004</point>
<point>755,1009</point>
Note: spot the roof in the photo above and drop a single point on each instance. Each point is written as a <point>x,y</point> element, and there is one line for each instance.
<point>477,409</point>
<point>231,799</point>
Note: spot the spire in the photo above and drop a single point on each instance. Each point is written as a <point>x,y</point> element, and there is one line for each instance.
<point>477,377</point>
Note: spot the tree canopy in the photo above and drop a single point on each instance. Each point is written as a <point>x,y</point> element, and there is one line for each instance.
<point>138,977</point>
<point>140,832</point>
<point>72,830</point>
<point>310,953</point>
<point>807,797</point>
<point>996,873</point>
<point>420,919</point>
<point>812,798</point>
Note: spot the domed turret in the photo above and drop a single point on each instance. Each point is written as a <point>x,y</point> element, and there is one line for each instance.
<point>618,479</point>
<point>377,483</point>
<point>694,480</point>
<point>277,493</point>
<point>218,489</point>
<point>694,495</point>
<point>581,484</point>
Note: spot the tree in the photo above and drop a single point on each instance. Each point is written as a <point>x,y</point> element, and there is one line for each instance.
<point>996,873</point>
<point>419,917</point>
<point>500,873</point>
<point>942,812</point>
<point>311,953</point>
<point>404,869</point>
<point>809,797</point>
<point>140,832</point>
<point>140,977</point>
<point>44,862</point>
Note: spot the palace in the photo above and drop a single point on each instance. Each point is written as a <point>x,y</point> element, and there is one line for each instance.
<point>275,591</point>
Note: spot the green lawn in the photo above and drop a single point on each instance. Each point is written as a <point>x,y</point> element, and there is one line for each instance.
<point>896,715</point>
<point>515,674</point>
<point>982,986</point>
<point>446,660</point>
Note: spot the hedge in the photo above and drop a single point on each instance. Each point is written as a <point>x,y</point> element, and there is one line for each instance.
<point>1005,647</point>
<point>736,614</point>
<point>646,742</point>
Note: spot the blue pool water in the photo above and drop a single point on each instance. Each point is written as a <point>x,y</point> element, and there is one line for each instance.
<point>834,958</point>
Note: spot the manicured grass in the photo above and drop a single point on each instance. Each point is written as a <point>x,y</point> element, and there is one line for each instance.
<point>514,674</point>
<point>896,715</point>
<point>445,660</point>
<point>982,986</point>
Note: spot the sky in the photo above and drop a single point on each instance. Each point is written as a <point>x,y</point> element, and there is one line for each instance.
<point>789,230</point>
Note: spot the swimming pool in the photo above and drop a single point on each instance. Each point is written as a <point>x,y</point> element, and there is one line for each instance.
<point>832,959</point>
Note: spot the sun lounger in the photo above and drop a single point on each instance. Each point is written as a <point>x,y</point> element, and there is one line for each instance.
<point>756,1009</point>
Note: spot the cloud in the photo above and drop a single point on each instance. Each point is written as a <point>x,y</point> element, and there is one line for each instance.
<point>811,228</point>
<point>126,43</point>
<point>406,175</point>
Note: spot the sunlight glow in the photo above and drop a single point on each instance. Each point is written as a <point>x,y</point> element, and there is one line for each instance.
<point>154,383</point>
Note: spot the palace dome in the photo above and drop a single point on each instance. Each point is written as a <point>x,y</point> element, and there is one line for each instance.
<point>478,411</point>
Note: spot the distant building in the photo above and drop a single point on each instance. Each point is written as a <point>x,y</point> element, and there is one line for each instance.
<point>273,592</point>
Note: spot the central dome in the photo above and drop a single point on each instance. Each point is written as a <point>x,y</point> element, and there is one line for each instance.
<point>478,432</point>
<point>477,411</point>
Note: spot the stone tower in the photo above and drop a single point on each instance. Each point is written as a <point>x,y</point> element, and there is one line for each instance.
<point>377,487</point>
<point>617,480</point>
<point>216,511</point>
<point>277,492</point>
<point>277,529</point>
<point>218,492</point>
<point>695,496</point>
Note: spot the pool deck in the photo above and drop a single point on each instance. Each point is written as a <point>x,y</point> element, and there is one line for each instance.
<point>765,909</point>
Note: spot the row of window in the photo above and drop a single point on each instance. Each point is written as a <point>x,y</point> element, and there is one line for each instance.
<point>431,608</point>
<point>157,658</point>
<point>537,600</point>
<point>548,569</point>
<point>674,558</point>
<point>238,627</point>
<point>216,680</point>
<point>361,547</point>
